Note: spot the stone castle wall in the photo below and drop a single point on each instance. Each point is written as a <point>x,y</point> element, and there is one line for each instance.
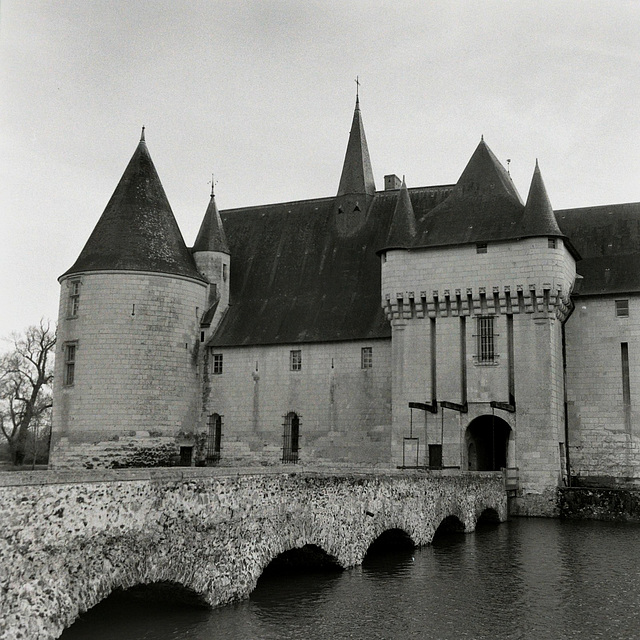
<point>604,435</point>
<point>433,298</point>
<point>135,372</point>
<point>68,540</point>
<point>344,409</point>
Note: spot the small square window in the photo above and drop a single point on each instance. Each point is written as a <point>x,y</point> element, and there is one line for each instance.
<point>295,360</point>
<point>367,358</point>
<point>481,247</point>
<point>622,308</point>
<point>69,364</point>
<point>552,243</point>
<point>217,363</point>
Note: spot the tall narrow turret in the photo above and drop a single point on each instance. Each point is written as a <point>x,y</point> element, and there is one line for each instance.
<point>212,256</point>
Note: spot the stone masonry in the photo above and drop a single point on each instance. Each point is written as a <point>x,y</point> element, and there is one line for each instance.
<point>69,539</point>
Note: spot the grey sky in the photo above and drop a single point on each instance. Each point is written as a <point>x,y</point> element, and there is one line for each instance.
<point>262,94</point>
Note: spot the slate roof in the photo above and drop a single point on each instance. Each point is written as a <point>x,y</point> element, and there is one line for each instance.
<point>295,278</point>
<point>357,174</point>
<point>137,230</point>
<point>211,236</point>
<point>608,239</point>
<point>402,230</point>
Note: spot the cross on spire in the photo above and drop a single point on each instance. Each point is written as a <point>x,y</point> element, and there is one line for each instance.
<point>357,81</point>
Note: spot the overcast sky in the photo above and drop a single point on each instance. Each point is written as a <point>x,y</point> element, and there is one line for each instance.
<point>262,92</point>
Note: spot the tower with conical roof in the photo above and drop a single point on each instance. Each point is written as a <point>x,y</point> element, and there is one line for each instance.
<point>212,257</point>
<point>126,374</point>
<point>357,187</point>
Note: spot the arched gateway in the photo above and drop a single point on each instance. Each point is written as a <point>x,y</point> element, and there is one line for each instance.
<point>487,440</point>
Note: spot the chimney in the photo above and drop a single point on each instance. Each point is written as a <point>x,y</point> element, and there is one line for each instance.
<point>392,182</point>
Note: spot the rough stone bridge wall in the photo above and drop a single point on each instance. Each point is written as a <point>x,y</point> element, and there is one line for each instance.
<point>67,540</point>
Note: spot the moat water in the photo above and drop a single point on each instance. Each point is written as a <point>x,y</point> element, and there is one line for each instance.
<point>530,579</point>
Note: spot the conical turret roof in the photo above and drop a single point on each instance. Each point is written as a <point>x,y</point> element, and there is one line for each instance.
<point>211,236</point>
<point>484,205</point>
<point>402,231</point>
<point>357,175</point>
<point>484,175</point>
<point>137,230</point>
<point>538,218</point>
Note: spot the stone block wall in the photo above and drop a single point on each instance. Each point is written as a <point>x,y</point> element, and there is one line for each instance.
<point>604,435</point>
<point>434,290</point>
<point>136,343</point>
<point>344,409</point>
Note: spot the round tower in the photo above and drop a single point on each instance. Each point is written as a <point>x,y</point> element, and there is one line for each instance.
<point>126,386</point>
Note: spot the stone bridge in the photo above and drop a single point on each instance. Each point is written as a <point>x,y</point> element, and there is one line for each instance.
<point>69,539</point>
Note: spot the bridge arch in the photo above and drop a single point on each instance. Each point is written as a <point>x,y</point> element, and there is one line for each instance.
<point>487,443</point>
<point>390,539</point>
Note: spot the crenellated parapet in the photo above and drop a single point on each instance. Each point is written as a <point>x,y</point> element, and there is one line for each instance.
<point>539,300</point>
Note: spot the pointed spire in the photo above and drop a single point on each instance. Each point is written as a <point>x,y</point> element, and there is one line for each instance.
<point>357,175</point>
<point>538,218</point>
<point>403,223</point>
<point>211,236</point>
<point>137,230</point>
<point>485,175</point>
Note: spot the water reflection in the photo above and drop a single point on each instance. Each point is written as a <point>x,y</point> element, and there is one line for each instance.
<point>526,579</point>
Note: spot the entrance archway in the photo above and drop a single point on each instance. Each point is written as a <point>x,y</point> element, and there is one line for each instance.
<point>487,439</point>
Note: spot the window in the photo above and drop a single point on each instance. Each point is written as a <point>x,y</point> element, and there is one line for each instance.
<point>224,272</point>
<point>69,364</point>
<point>217,363</point>
<point>552,244</point>
<point>214,437</point>
<point>291,437</point>
<point>622,308</point>
<point>366,358</point>
<point>481,247</point>
<point>295,360</point>
<point>486,353</point>
<point>74,298</point>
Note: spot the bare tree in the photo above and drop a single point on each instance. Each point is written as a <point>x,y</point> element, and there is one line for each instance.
<point>26,373</point>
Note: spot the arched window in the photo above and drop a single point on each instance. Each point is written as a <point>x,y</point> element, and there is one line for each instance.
<point>291,437</point>
<point>214,436</point>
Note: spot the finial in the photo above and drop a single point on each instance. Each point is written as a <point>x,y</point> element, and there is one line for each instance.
<point>142,134</point>
<point>357,81</point>
<point>508,164</point>
<point>213,183</point>
<point>482,137</point>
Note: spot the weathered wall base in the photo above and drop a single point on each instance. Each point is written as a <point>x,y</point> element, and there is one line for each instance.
<point>599,504</point>
<point>66,546</point>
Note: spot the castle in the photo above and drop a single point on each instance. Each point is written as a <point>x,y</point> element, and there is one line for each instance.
<point>446,327</point>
